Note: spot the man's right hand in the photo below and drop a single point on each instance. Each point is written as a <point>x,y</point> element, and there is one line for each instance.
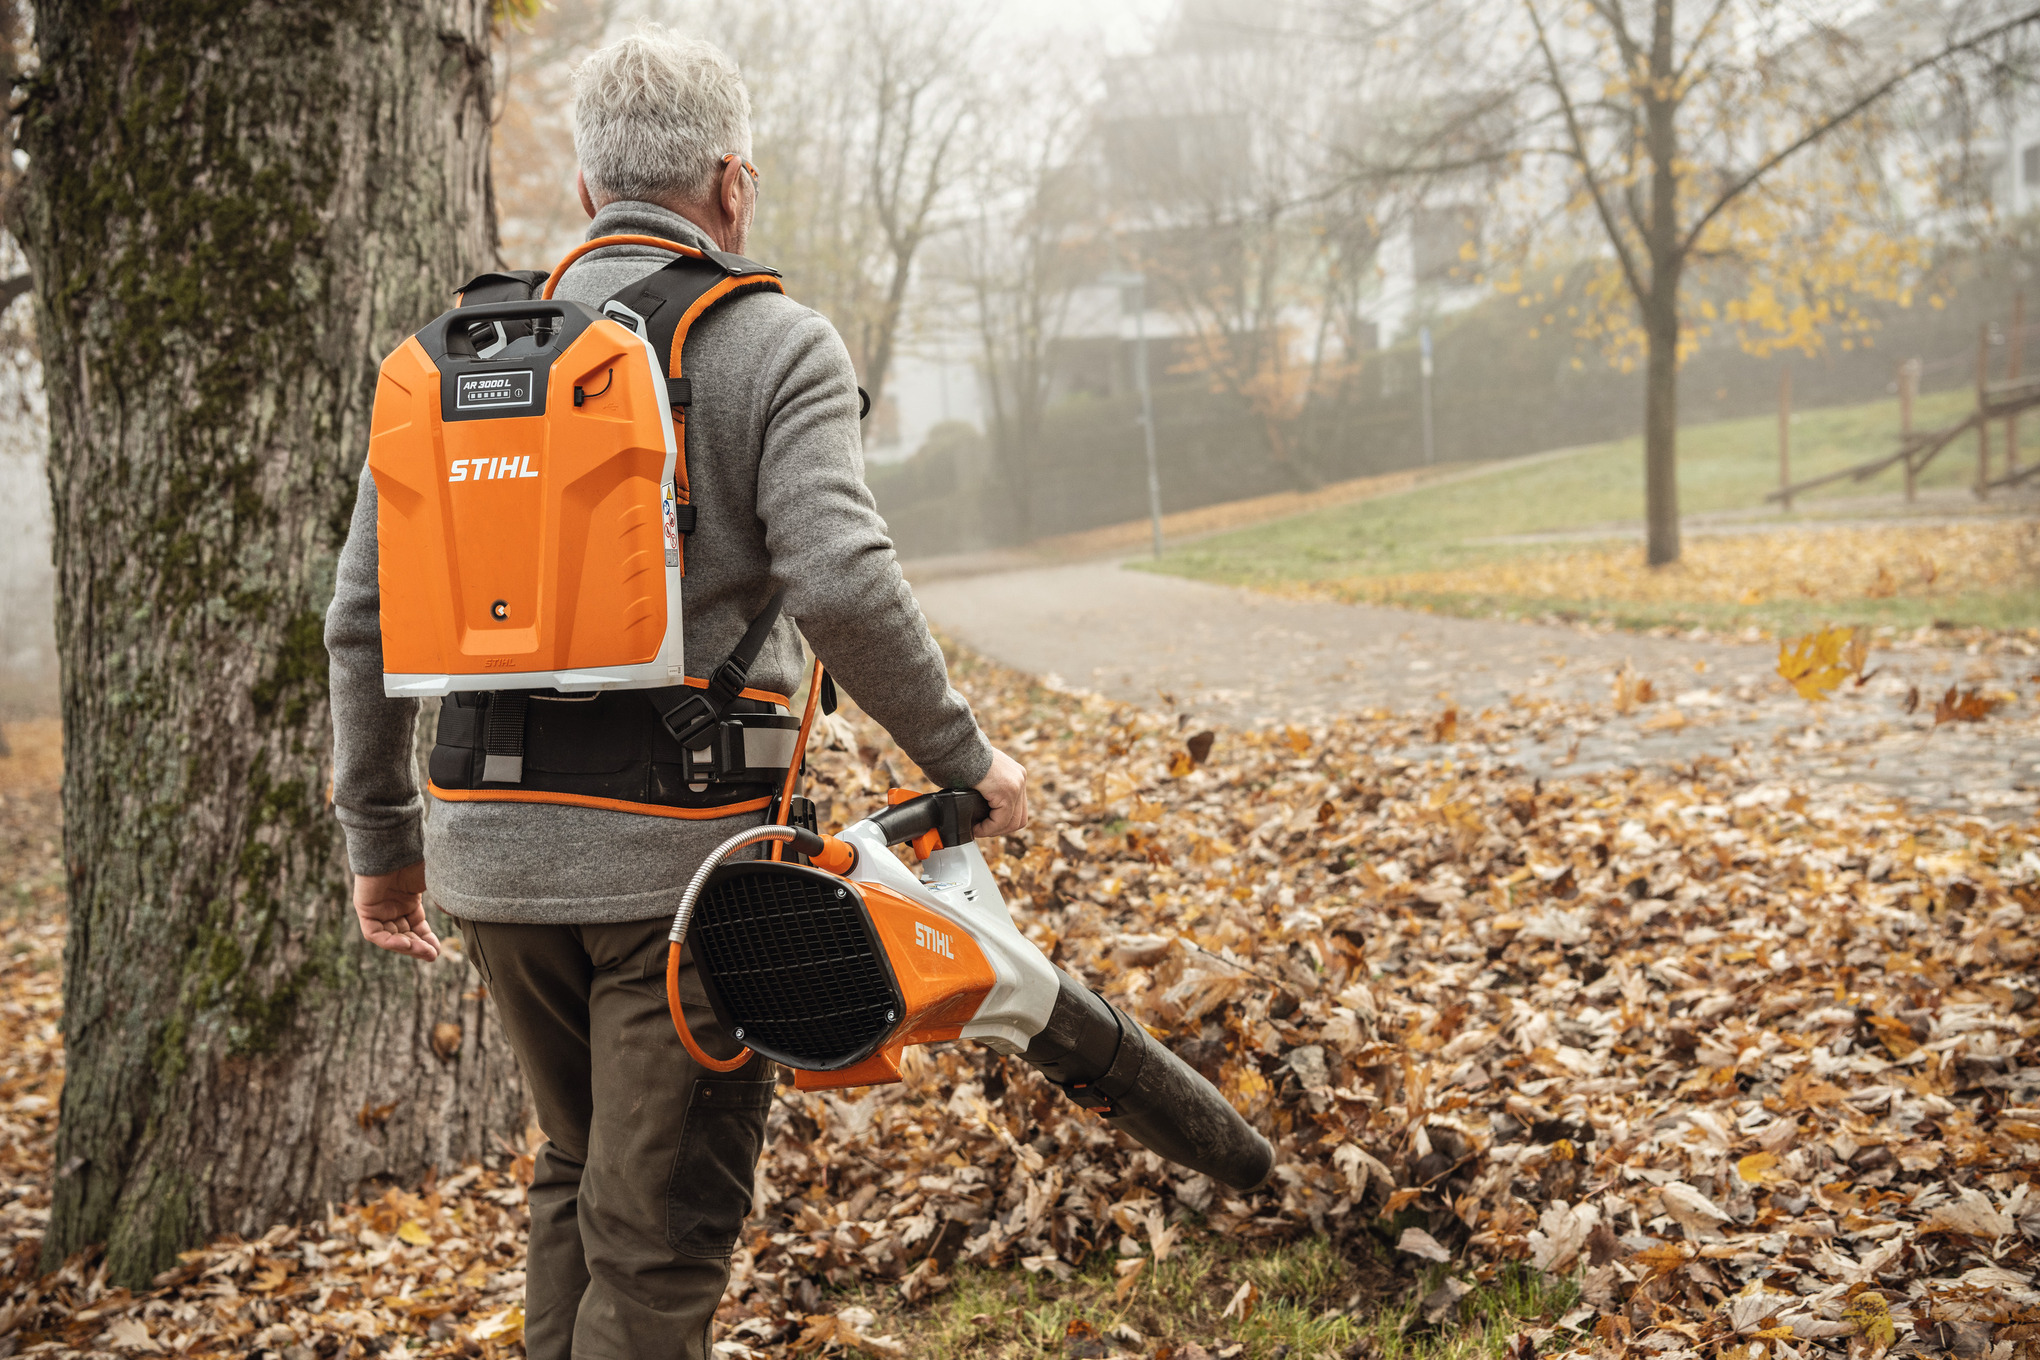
<point>391,908</point>
<point>1005,788</point>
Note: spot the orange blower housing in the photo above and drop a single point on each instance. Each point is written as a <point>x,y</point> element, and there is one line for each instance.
<point>913,976</point>
<point>526,495</point>
<point>834,967</point>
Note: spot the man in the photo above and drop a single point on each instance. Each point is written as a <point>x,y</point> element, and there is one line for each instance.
<point>644,1180</point>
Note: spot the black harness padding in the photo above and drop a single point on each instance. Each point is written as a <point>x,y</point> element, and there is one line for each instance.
<point>678,746</point>
<point>612,745</point>
<point>513,285</point>
<point>664,296</point>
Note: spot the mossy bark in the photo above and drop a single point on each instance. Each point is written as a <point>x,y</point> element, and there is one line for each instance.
<point>233,210</point>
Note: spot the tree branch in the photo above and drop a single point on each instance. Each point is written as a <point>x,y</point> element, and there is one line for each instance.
<point>1828,124</point>
<point>1581,156</point>
<point>1699,44</point>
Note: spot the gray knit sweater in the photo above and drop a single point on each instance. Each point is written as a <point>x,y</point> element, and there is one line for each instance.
<point>778,478</point>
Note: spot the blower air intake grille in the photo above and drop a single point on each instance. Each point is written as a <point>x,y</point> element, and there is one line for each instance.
<point>789,957</point>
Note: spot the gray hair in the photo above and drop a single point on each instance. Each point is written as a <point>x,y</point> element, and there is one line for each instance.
<point>655,113</point>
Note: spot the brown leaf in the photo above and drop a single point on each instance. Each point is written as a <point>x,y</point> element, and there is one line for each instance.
<point>1967,706</point>
<point>1199,746</point>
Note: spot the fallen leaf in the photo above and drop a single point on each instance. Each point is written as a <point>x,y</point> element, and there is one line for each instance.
<point>506,1326</point>
<point>1817,663</point>
<point>1419,1243</point>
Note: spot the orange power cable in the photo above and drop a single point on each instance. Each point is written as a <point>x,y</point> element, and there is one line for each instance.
<point>694,1050</point>
<point>807,724</point>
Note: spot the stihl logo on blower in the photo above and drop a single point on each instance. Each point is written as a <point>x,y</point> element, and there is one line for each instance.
<point>934,941</point>
<point>834,967</point>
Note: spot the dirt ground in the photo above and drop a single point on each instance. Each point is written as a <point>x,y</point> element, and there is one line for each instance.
<point>1242,658</point>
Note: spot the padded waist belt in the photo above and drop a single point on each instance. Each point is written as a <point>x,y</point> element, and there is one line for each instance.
<point>611,750</point>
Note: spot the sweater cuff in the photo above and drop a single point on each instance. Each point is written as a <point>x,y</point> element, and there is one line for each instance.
<point>965,767</point>
<point>386,849</point>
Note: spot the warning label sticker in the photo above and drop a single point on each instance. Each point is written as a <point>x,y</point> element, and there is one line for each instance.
<point>486,391</point>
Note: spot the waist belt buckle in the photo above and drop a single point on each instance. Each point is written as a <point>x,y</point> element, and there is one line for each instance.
<point>717,752</point>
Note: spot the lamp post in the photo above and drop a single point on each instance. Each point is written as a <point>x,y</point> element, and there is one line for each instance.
<point>1424,342</point>
<point>1136,286</point>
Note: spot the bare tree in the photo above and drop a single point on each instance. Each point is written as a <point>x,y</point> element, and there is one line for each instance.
<point>1218,156</point>
<point>920,60</point>
<point>1732,136</point>
<point>1020,260</point>
<point>860,113</point>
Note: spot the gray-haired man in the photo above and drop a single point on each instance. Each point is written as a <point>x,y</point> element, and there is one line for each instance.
<point>645,1178</point>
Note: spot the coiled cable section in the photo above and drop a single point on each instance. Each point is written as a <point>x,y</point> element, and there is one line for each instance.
<point>807,842</point>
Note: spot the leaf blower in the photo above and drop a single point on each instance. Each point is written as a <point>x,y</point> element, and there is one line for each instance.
<point>835,965</point>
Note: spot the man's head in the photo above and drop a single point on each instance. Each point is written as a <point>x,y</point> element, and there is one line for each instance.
<point>666,120</point>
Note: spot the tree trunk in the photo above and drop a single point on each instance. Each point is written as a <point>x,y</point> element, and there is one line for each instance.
<point>1661,424</point>
<point>1666,250</point>
<point>234,209</point>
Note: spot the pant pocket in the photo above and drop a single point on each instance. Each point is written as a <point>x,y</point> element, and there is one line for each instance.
<point>708,1194</point>
<point>471,943</point>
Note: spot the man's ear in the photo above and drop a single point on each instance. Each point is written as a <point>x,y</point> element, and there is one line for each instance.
<point>581,188</point>
<point>731,195</point>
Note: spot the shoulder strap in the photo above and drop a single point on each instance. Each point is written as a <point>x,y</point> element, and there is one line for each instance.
<point>510,285</point>
<point>689,713</point>
<point>672,299</point>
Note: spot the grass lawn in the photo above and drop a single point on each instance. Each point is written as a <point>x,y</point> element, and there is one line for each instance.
<point>1306,1302</point>
<point>1434,546</point>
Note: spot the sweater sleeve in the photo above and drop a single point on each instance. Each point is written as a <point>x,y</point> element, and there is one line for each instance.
<point>375,781</point>
<point>831,552</point>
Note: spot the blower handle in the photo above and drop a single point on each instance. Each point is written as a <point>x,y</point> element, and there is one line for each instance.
<point>950,813</point>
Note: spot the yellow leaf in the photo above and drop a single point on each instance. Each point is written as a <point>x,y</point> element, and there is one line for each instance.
<point>507,1325</point>
<point>1816,663</point>
<point>1756,1168</point>
<point>1872,1318</point>
<point>1180,764</point>
<point>413,1231</point>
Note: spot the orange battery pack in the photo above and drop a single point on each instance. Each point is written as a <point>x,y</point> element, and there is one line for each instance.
<point>528,480</point>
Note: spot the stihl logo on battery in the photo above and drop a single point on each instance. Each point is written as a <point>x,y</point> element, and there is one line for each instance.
<point>485,391</point>
<point>490,469</point>
<point>932,940</point>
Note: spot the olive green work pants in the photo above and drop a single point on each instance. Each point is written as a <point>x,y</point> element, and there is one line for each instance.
<point>645,1177</point>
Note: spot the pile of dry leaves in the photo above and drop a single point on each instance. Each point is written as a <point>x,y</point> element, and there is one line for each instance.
<point>1757,1063</point>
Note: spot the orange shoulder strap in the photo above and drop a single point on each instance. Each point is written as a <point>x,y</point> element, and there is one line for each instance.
<point>553,280</point>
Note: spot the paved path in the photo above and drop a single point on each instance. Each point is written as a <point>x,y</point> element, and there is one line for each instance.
<point>1242,658</point>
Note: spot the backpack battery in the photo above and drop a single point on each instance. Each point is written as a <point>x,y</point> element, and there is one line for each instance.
<point>528,481</point>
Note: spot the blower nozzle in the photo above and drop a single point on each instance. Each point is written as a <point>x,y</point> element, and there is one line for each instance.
<point>1105,1061</point>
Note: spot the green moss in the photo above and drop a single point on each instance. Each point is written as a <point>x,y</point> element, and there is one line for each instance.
<point>145,1243</point>
<point>297,671</point>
